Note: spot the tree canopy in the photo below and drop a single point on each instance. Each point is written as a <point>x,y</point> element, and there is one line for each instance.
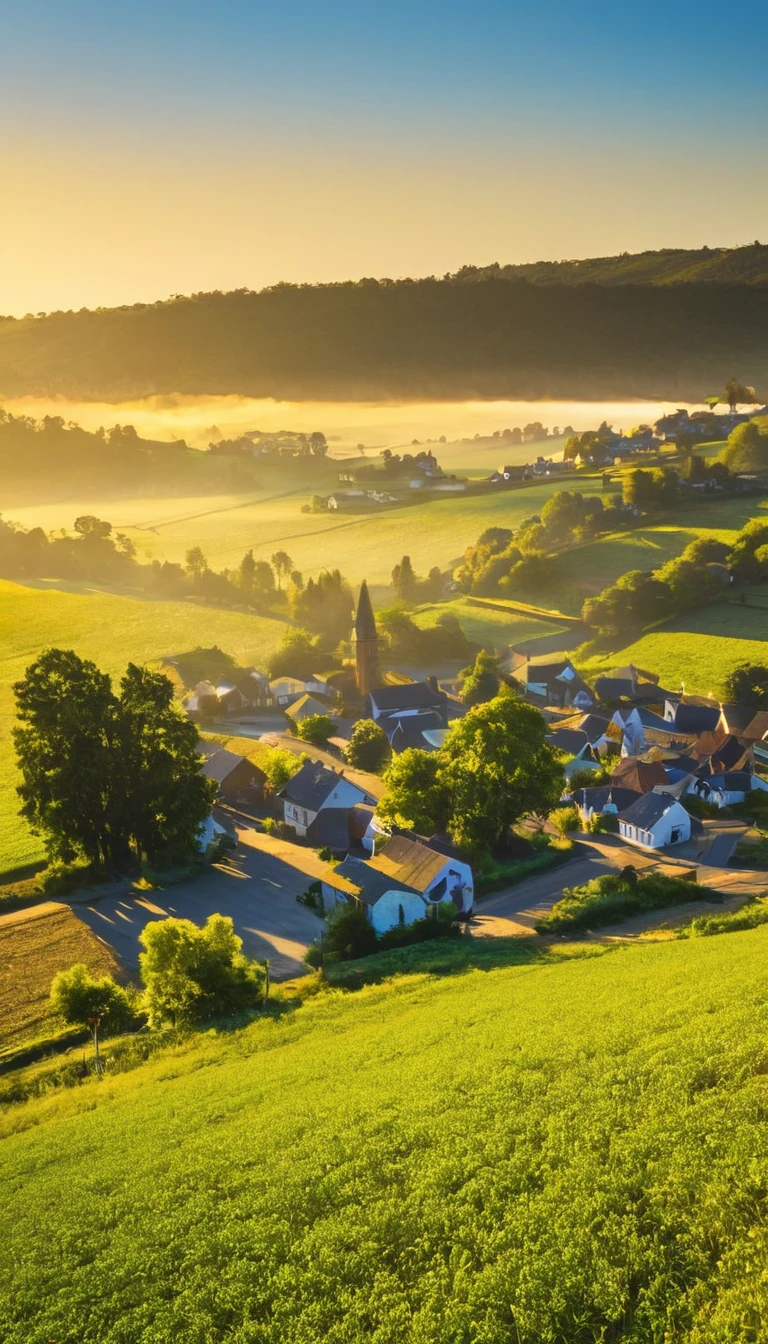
<point>106,777</point>
<point>494,768</point>
<point>191,974</point>
<point>369,747</point>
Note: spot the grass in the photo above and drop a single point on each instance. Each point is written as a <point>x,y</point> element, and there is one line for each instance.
<point>487,626</point>
<point>749,916</point>
<point>112,630</point>
<point>698,649</point>
<point>433,531</point>
<point>34,945</point>
<point>567,1150</point>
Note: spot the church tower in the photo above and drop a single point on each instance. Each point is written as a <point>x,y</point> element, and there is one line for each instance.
<point>368,675</point>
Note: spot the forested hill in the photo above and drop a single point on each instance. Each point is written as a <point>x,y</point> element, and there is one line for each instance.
<point>475,334</point>
<point>670,266</point>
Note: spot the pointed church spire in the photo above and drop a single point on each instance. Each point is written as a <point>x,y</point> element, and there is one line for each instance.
<point>368,674</point>
<point>365,621</point>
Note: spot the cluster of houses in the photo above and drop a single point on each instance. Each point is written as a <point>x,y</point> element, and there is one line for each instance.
<point>663,747</point>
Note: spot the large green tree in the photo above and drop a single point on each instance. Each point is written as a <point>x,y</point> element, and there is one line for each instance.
<point>167,798</point>
<point>106,776</point>
<point>67,744</point>
<point>494,768</point>
<point>747,685</point>
<point>481,680</point>
<point>369,747</point>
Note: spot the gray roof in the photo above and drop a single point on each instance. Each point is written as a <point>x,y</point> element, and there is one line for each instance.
<point>597,796</point>
<point>410,695</point>
<point>218,763</point>
<point>648,809</point>
<point>568,740</point>
<point>696,718</point>
<point>310,786</point>
<point>331,827</point>
<point>370,883</point>
<point>409,731</point>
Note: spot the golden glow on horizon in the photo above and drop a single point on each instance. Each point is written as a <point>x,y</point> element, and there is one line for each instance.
<point>88,228</point>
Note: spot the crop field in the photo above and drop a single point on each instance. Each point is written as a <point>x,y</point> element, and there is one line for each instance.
<point>698,649</point>
<point>572,1151</point>
<point>34,945</point>
<point>112,631</point>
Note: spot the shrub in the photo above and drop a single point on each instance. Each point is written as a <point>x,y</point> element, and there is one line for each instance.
<point>312,897</point>
<point>565,819</point>
<point>616,896</point>
<point>350,932</point>
<point>752,914</point>
<point>191,974</point>
<point>604,823</point>
<point>316,729</point>
<point>423,930</point>
<point>368,748</point>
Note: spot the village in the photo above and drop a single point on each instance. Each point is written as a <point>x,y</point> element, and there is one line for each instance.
<point>652,776</point>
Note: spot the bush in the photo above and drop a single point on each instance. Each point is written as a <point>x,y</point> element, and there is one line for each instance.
<point>604,823</point>
<point>423,930</point>
<point>312,897</point>
<point>565,819</point>
<point>752,914</point>
<point>368,748</point>
<point>192,975</point>
<point>316,729</point>
<point>350,932</point>
<point>280,829</point>
<point>616,896</point>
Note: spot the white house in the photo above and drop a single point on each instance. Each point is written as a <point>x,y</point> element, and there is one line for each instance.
<point>315,788</point>
<point>654,821</point>
<point>727,789</point>
<point>403,883</point>
<point>286,690</point>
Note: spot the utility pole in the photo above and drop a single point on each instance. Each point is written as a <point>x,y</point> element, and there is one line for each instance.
<point>93,1023</point>
<point>267,964</point>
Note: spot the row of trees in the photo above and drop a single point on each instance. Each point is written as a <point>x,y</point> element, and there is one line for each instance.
<point>640,598</point>
<point>410,588</point>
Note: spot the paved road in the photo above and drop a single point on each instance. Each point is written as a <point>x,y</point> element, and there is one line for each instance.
<point>257,887</point>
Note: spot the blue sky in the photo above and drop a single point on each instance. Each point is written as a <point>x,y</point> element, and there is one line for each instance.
<point>157,148</point>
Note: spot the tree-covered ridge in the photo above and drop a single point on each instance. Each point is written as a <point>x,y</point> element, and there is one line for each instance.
<point>668,266</point>
<point>478,333</point>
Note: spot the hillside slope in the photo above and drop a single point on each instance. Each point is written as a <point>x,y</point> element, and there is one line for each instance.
<point>480,334</point>
<point>573,1151</point>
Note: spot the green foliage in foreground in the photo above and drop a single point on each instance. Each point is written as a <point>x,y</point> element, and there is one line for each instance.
<point>563,1152</point>
<point>616,896</point>
<point>749,916</point>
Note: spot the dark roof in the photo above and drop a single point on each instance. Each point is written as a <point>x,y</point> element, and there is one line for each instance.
<point>568,740</point>
<point>696,718</point>
<point>623,688</point>
<point>737,717</point>
<point>411,695</point>
<point>218,763</point>
<point>648,809</point>
<point>594,726</point>
<point>598,796</point>
<point>631,772</point>
<point>408,863</point>
<point>365,621</point>
<point>330,828</point>
<point>409,731</point>
<point>727,756</point>
<point>545,668</point>
<point>651,720</point>
<point>310,786</point>
<point>371,884</point>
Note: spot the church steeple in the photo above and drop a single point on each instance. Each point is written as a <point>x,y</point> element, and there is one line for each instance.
<point>368,674</point>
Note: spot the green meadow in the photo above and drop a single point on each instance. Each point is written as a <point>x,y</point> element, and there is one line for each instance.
<point>433,531</point>
<point>112,630</point>
<point>698,649</point>
<point>569,1150</point>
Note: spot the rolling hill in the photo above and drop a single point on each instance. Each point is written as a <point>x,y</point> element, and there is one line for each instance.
<point>570,1150</point>
<point>667,325</point>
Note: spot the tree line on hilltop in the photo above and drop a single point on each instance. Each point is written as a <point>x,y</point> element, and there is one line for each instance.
<point>477,334</point>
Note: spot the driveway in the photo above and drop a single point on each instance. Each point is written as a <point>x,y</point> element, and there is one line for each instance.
<point>257,887</point>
